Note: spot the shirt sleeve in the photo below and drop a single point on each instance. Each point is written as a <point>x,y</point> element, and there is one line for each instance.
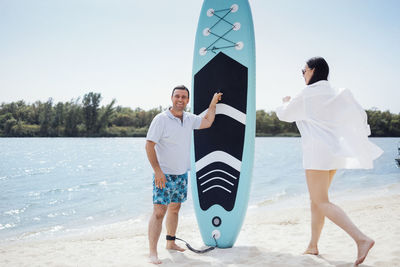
<point>361,111</point>
<point>292,110</point>
<point>196,121</point>
<point>155,131</point>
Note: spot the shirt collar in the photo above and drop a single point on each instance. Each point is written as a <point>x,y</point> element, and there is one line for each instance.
<point>170,115</point>
<point>322,82</point>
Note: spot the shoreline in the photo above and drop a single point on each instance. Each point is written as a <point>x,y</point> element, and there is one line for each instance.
<point>272,235</point>
<point>272,204</point>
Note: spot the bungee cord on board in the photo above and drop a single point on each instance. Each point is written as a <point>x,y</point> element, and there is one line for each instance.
<point>208,31</point>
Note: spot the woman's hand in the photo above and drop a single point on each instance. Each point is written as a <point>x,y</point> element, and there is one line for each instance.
<point>286,99</point>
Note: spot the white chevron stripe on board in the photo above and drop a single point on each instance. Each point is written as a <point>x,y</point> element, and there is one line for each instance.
<point>228,111</point>
<point>214,186</point>
<point>218,156</point>
<point>218,170</point>
<point>216,178</point>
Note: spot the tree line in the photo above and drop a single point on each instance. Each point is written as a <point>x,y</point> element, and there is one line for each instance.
<point>86,118</point>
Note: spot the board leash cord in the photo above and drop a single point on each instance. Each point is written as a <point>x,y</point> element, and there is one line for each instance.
<point>198,251</point>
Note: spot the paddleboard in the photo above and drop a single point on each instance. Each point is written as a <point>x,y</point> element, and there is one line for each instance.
<point>223,155</point>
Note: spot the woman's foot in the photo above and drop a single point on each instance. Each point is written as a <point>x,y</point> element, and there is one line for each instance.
<point>363,247</point>
<point>311,250</point>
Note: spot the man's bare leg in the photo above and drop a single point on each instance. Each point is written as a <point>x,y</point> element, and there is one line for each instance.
<point>172,225</point>
<point>155,227</point>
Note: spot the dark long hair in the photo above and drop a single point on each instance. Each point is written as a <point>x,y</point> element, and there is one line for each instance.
<point>321,69</point>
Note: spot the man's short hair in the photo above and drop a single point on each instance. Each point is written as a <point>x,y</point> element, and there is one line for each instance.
<point>180,87</point>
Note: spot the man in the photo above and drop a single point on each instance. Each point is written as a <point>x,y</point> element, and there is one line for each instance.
<point>168,150</point>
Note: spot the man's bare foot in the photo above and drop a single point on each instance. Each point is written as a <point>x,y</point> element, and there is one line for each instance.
<point>363,248</point>
<point>173,246</point>
<point>311,251</point>
<point>154,259</point>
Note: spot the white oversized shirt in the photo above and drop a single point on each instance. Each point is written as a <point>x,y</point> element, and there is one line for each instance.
<point>173,137</point>
<point>333,127</point>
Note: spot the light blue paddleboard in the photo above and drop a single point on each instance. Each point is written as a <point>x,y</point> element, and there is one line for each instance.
<point>223,155</point>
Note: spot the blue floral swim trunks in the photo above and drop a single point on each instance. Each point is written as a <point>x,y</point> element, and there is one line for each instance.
<point>175,190</point>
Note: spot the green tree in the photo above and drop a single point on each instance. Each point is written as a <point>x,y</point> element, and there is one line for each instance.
<point>45,117</point>
<point>9,125</point>
<point>105,117</point>
<point>59,119</point>
<point>72,118</point>
<point>34,113</point>
<point>394,128</point>
<point>91,103</point>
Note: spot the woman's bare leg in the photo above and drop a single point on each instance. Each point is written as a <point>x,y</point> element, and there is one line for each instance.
<point>317,222</point>
<point>318,182</point>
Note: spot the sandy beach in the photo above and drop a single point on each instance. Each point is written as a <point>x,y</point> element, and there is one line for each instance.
<point>269,237</point>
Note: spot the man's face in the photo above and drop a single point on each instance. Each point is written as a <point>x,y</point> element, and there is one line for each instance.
<point>180,99</point>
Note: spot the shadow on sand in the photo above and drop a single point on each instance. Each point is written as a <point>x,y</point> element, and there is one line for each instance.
<point>338,263</point>
<point>248,256</point>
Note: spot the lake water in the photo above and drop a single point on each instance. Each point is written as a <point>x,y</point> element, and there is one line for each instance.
<point>50,186</point>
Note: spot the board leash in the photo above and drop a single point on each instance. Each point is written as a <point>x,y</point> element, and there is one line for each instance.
<point>198,251</point>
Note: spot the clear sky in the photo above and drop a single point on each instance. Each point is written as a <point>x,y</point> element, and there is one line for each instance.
<point>137,51</point>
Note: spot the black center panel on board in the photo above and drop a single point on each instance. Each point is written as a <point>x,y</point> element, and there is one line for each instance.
<point>226,134</point>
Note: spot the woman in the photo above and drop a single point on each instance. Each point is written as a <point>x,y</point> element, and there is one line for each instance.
<point>334,133</point>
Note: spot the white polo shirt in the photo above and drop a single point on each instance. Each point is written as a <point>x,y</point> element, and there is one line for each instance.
<point>172,137</point>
